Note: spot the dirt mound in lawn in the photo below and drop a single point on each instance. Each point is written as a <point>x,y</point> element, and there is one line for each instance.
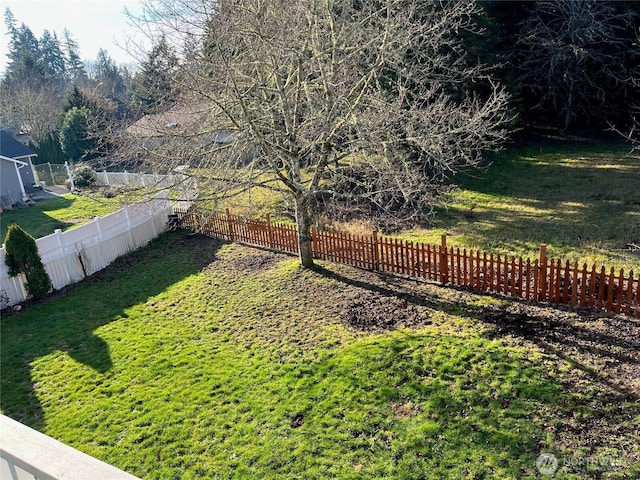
<point>255,263</point>
<point>374,311</point>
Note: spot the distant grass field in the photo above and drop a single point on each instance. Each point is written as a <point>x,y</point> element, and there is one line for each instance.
<point>583,201</point>
<point>193,359</point>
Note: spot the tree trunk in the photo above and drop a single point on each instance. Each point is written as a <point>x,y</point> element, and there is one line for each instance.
<point>571,74</point>
<point>304,221</point>
<point>569,106</point>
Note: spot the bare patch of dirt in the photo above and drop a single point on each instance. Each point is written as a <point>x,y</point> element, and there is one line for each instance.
<point>604,347</point>
<point>297,421</point>
<point>374,311</point>
<point>255,263</point>
<point>405,409</point>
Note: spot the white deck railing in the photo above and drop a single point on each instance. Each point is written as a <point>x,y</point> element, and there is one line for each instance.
<point>28,454</point>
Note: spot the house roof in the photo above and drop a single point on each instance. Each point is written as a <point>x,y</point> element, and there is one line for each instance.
<point>12,148</point>
<point>178,120</point>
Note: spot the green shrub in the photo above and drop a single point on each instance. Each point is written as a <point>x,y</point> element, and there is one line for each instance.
<point>83,176</point>
<point>21,256</point>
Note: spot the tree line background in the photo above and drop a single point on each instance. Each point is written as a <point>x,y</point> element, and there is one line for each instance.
<point>68,106</point>
<point>570,67</point>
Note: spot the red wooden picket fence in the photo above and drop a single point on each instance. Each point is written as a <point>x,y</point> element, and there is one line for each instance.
<point>538,280</point>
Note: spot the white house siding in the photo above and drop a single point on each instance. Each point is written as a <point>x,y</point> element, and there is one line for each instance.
<point>10,186</point>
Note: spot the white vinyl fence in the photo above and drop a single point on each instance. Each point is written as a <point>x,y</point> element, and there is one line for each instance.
<point>185,184</point>
<point>178,181</point>
<point>70,256</point>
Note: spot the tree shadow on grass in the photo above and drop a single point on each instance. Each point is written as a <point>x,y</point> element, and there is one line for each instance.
<point>603,349</point>
<point>67,320</point>
<point>576,198</point>
<point>586,339</point>
<point>588,380</point>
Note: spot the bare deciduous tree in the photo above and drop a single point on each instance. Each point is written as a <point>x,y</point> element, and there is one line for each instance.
<point>331,99</point>
<point>31,107</point>
<point>578,58</point>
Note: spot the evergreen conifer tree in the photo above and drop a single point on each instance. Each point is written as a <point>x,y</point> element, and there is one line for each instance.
<point>75,66</point>
<point>53,58</point>
<point>22,257</point>
<point>75,139</point>
<point>153,87</point>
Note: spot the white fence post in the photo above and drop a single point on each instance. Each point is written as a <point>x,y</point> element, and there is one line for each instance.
<point>153,223</point>
<point>131,239</point>
<point>58,234</point>
<point>98,228</point>
<point>66,166</point>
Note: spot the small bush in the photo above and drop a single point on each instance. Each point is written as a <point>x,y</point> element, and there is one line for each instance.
<point>83,176</point>
<point>21,256</point>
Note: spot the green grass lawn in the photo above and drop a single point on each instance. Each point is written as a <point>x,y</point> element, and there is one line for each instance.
<point>582,200</point>
<point>194,359</point>
<point>63,212</point>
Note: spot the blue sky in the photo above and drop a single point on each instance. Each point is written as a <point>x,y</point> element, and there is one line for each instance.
<point>93,24</point>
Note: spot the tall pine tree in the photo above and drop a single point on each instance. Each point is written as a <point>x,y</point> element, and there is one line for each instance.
<point>25,59</point>
<point>153,86</point>
<point>53,58</point>
<point>107,77</point>
<point>75,66</point>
